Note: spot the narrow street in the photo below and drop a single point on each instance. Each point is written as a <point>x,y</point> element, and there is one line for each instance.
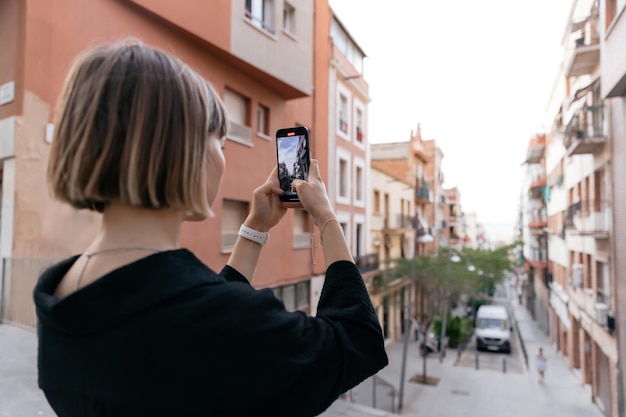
<point>501,386</point>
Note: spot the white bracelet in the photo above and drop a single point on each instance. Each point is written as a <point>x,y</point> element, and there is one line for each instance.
<point>253,235</point>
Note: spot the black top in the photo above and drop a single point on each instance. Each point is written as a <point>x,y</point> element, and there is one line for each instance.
<point>166,336</point>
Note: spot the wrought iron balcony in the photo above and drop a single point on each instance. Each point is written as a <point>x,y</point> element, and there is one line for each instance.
<point>586,131</point>
<point>537,218</point>
<point>423,193</point>
<point>367,263</point>
<point>537,257</point>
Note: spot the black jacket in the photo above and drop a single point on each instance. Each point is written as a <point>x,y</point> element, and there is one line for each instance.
<point>166,336</point>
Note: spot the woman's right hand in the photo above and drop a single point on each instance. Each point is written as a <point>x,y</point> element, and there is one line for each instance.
<point>313,195</point>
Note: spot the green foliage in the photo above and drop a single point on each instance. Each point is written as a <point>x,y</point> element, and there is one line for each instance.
<point>442,281</point>
<point>458,330</point>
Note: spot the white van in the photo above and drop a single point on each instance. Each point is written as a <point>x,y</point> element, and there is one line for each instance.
<point>493,328</point>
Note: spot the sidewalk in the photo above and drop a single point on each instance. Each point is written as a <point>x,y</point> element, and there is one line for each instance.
<point>485,392</point>
<point>19,394</point>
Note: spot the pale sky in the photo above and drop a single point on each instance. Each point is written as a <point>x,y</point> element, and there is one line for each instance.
<point>476,75</point>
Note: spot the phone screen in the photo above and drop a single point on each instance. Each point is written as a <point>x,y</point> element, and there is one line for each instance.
<point>293,156</point>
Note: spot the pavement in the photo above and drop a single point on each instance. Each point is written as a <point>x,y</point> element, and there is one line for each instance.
<point>485,392</point>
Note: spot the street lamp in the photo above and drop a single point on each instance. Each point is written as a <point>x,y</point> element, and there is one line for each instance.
<point>454,258</point>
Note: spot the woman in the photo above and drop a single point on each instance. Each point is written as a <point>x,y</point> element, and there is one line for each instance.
<point>138,326</point>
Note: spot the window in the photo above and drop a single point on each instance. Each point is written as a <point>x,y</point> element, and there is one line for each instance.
<point>289,297</point>
<point>344,228</point>
<point>360,134</point>
<point>358,239</point>
<point>263,120</point>
<point>295,296</point>
<point>376,202</point>
<point>343,113</point>
<point>261,14</point>
<point>289,19</point>
<point>301,232</point>
<point>238,110</point>
<point>359,183</point>
<point>233,216</point>
<point>303,295</point>
<point>343,178</point>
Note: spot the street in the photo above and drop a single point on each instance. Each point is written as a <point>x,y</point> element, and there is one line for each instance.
<point>493,390</point>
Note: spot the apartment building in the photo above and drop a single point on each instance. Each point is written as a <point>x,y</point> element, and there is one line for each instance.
<point>474,237</point>
<point>393,234</point>
<point>534,219</point>
<point>435,212</point>
<point>453,224</point>
<point>247,51</point>
<point>401,195</point>
<point>613,91</point>
<point>583,219</point>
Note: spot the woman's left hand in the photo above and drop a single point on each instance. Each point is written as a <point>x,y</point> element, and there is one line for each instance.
<point>267,209</point>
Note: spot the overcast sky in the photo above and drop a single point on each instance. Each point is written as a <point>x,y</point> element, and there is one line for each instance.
<point>476,75</point>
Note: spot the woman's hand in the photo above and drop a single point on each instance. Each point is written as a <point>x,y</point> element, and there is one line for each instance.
<point>267,209</point>
<point>313,196</point>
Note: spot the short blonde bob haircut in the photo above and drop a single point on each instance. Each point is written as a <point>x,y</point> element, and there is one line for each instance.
<point>132,126</point>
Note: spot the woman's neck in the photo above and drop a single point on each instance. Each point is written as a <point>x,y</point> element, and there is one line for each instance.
<point>125,226</point>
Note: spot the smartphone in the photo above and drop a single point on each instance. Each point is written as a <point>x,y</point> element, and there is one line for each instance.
<point>293,158</point>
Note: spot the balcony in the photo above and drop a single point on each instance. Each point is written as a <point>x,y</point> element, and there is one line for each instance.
<point>399,223</point>
<point>536,149</point>
<point>537,187</point>
<point>586,131</point>
<point>423,195</point>
<point>537,257</point>
<point>367,263</point>
<point>583,59</point>
<point>591,218</point>
<point>537,219</point>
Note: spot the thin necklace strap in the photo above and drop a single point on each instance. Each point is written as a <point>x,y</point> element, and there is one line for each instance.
<point>89,254</point>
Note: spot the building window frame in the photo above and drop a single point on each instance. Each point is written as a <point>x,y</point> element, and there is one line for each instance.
<point>343,113</point>
<point>359,184</point>
<point>343,176</point>
<point>360,123</point>
<point>260,14</point>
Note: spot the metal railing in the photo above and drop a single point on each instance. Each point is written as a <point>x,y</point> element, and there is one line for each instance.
<point>19,276</point>
<point>367,263</point>
<point>374,392</point>
<point>587,122</point>
<point>588,216</point>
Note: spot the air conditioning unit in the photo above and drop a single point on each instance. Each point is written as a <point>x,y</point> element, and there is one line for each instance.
<point>602,314</point>
<point>577,275</point>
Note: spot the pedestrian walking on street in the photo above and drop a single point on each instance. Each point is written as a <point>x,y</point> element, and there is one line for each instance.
<point>137,325</point>
<point>416,328</point>
<point>541,362</point>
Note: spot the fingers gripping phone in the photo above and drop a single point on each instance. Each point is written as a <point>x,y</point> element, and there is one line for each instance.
<point>293,158</point>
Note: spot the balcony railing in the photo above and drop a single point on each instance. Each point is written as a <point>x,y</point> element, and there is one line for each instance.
<point>571,211</point>
<point>537,218</point>
<point>422,192</point>
<point>591,217</point>
<point>538,255</point>
<point>367,263</point>
<point>400,221</point>
<point>586,131</point>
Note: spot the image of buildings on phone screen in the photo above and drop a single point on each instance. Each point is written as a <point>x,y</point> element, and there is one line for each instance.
<point>292,161</point>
